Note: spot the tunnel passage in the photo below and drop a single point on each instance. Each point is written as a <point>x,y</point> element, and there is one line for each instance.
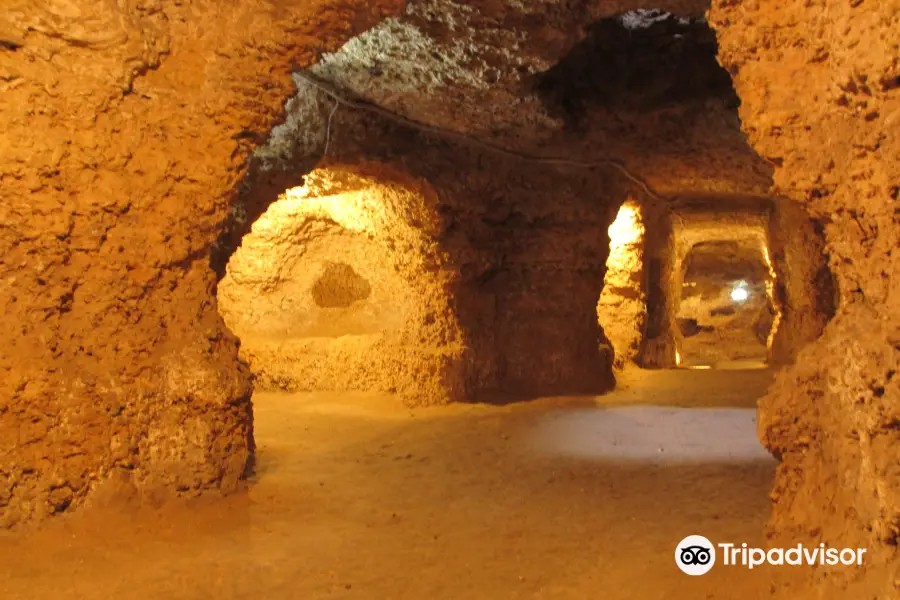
<point>338,287</point>
<point>120,349</point>
<point>512,272</point>
<point>689,272</point>
<point>725,316</point>
<point>722,286</point>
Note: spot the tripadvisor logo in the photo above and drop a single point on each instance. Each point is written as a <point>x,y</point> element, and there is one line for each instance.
<point>696,555</point>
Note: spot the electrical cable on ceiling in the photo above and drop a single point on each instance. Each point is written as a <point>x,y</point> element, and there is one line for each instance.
<point>340,98</point>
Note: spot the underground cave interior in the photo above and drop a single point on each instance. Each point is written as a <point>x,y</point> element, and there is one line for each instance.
<point>322,295</point>
<point>371,254</point>
<point>447,247</point>
<point>550,269</point>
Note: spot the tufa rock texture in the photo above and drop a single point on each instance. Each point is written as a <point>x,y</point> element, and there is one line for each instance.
<point>819,83</point>
<point>703,234</point>
<point>804,287</point>
<point>125,131</point>
<point>473,66</point>
<point>127,128</point>
<point>341,285</point>
<point>521,295</point>
<point>622,308</point>
<point>716,328</point>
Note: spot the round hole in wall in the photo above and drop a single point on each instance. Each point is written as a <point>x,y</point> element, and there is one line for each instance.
<point>339,286</point>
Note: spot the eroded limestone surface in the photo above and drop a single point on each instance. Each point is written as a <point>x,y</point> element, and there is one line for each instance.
<point>341,285</point>
<point>128,128</point>
<point>820,98</point>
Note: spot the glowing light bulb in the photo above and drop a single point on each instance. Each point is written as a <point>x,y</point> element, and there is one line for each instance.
<point>740,293</point>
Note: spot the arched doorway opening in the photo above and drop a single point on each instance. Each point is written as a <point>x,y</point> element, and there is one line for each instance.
<point>725,314</point>
<point>339,287</point>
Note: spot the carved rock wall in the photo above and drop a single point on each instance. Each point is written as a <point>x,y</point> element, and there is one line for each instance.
<point>622,308</point>
<point>341,285</point>
<point>524,242</point>
<point>820,88</point>
<point>659,347</point>
<point>471,65</point>
<point>804,285</point>
<point>125,131</point>
<point>126,128</point>
<point>717,329</point>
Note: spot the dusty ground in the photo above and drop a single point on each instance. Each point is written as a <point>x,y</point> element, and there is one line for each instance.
<point>356,497</point>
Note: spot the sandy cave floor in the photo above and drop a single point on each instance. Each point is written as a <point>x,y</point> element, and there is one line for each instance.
<point>357,497</point>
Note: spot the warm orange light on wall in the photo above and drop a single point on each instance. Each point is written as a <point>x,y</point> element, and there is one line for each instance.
<point>627,228</point>
<point>770,292</point>
<point>621,309</point>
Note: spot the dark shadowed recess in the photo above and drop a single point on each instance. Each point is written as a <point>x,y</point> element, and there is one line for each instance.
<point>637,62</point>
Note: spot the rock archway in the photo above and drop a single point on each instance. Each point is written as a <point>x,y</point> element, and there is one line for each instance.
<point>714,251</point>
<point>725,316</point>
<point>127,130</point>
<point>340,285</point>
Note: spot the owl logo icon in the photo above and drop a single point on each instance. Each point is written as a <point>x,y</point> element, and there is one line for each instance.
<point>695,555</point>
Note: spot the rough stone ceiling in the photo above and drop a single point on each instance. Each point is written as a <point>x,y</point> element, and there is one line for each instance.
<point>467,65</point>
<point>726,260</point>
<point>515,73</point>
